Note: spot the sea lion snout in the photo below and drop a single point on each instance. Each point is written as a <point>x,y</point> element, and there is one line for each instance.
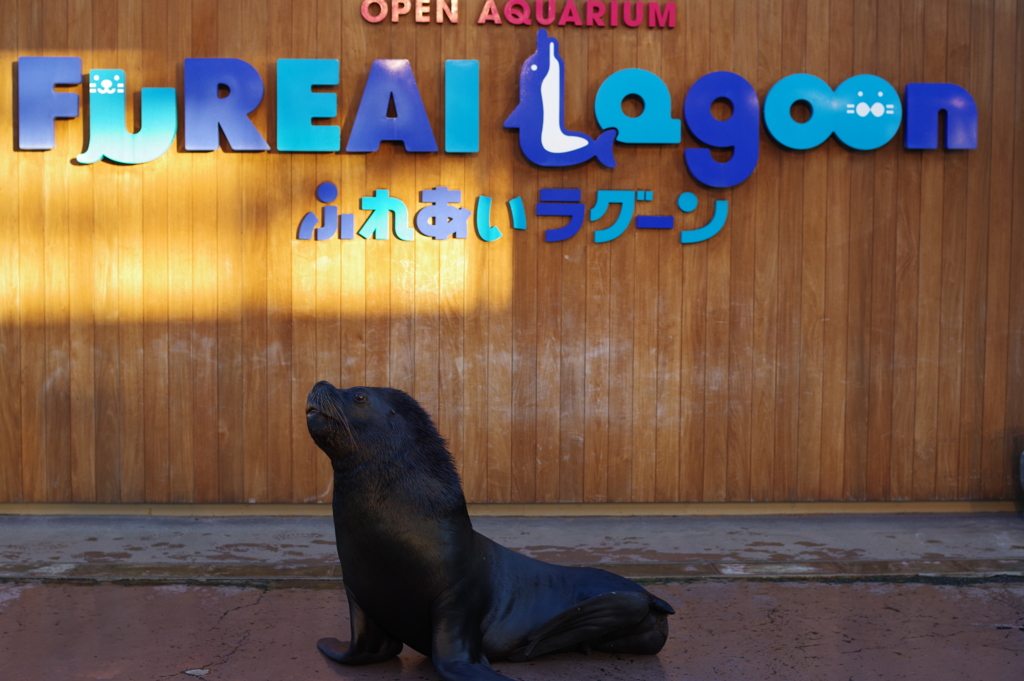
<point>319,398</point>
<point>326,420</point>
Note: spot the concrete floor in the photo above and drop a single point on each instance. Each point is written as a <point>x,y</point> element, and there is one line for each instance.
<point>724,629</point>
<point>815,597</point>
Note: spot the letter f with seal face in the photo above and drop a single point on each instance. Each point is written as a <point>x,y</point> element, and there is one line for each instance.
<point>540,115</point>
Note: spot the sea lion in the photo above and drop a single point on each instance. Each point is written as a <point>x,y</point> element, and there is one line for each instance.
<point>416,572</point>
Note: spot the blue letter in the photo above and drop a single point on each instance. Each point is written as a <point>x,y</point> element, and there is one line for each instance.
<point>391,78</point>
<point>206,111</point>
<point>925,101</point>
<point>297,105</point>
<point>568,205</point>
<point>655,125</point>
<point>462,106</point>
<point>741,131</point>
<point>38,104</point>
<point>540,115</point>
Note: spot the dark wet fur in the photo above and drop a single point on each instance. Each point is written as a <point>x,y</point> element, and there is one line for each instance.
<point>416,573</point>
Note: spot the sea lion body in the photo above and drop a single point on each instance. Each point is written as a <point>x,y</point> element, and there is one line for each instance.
<point>416,572</point>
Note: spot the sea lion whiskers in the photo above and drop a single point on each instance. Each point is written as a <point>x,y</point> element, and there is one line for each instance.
<point>348,428</point>
<point>317,401</point>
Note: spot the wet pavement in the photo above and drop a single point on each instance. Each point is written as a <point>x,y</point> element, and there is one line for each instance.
<point>302,548</point>
<point>793,597</point>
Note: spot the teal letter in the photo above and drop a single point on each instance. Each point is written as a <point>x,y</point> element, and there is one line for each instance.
<point>800,87</point>
<point>462,106</point>
<point>376,225</point>
<point>518,213</point>
<point>298,105</point>
<point>108,134</point>
<point>605,198</point>
<point>871,112</point>
<point>484,229</point>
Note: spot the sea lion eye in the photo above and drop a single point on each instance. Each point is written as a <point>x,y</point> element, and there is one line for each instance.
<point>359,397</point>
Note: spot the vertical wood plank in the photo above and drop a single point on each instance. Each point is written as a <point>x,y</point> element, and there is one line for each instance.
<point>812,296</point>
<point>304,369</point>
<point>106,284</point>
<point>474,463</point>
<point>254,265</point>
<point>181,436</point>
<point>351,180</point>
<point>377,166</point>
<point>972,396</point>
<point>549,312</point>
<point>527,458</point>
<point>1015,354</point>
<point>499,274</point>
<point>131,188</point>
<point>908,252</point>
<point>930,274</point>
<point>678,358</point>
<point>791,198</point>
<point>427,254</point>
<point>954,233</point>
<point>155,272</point>
<point>883,363</point>
<point>80,281</point>
<point>403,254</point>
<point>837,266</point>
<point>281,216</point>
<point>451,416</point>
<point>622,292</point>
<point>757,480</point>
<point>859,301</point>
<point>230,364</point>
<point>597,308</point>
<point>328,259</point>
<point>10,282</point>
<point>645,265</point>
<point>205,282</point>
<point>997,453</point>
<point>56,388</point>
<point>713,375</point>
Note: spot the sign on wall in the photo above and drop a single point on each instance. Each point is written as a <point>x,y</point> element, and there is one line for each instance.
<point>863,112</point>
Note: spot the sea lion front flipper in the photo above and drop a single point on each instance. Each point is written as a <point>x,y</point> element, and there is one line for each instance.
<point>585,622</point>
<point>457,646</point>
<point>369,642</point>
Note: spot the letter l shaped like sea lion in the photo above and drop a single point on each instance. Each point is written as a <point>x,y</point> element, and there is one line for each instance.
<point>540,115</point>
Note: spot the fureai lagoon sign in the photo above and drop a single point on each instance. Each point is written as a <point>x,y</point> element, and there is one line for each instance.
<point>864,112</point>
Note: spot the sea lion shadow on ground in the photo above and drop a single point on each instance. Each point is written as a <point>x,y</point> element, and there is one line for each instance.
<point>416,573</point>
<point>565,666</point>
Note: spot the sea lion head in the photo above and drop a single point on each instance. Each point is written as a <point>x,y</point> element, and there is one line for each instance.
<point>328,420</point>
<point>383,432</point>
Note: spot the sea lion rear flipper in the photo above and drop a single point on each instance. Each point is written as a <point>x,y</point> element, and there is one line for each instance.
<point>586,621</point>
<point>369,642</point>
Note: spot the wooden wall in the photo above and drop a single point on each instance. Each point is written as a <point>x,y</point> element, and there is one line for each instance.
<point>855,332</point>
